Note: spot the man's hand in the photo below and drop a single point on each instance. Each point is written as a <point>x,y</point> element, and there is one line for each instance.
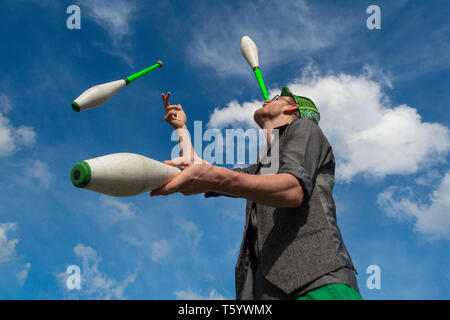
<point>174,114</point>
<point>196,177</point>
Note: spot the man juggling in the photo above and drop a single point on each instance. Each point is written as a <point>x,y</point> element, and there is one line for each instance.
<point>292,247</point>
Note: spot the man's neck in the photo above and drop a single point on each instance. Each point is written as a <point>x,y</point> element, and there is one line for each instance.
<point>270,125</point>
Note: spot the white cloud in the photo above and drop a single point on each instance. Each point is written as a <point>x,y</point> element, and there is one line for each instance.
<point>428,179</point>
<point>22,275</point>
<point>113,15</point>
<point>368,136</point>
<point>283,32</point>
<point>234,113</point>
<point>5,103</point>
<point>7,246</point>
<point>160,249</point>
<point>94,283</point>
<point>431,220</point>
<point>374,72</point>
<point>26,135</point>
<point>191,295</point>
<point>191,230</point>
<point>8,251</point>
<point>12,138</point>
<point>35,173</point>
<point>118,210</point>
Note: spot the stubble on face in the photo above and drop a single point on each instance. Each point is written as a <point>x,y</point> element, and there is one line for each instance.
<point>271,110</point>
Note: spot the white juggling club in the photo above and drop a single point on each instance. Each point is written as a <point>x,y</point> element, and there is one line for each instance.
<point>250,53</point>
<point>121,174</point>
<point>99,94</point>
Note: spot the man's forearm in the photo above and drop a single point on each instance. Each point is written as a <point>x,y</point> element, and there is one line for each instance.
<point>184,141</point>
<point>279,190</point>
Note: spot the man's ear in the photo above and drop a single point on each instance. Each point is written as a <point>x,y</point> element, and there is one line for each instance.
<point>290,109</point>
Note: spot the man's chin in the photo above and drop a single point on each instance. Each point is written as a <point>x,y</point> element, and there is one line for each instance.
<point>258,116</point>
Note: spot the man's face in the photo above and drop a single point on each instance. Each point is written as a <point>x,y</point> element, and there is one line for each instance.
<point>271,109</point>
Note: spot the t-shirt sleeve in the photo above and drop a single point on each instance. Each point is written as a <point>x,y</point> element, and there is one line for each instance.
<point>210,194</point>
<point>302,152</point>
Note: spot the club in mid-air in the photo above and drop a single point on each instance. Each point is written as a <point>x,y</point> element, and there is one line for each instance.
<point>99,94</point>
<point>250,52</point>
<point>121,174</point>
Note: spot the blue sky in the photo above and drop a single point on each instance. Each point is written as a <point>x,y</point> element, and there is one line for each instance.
<point>384,105</point>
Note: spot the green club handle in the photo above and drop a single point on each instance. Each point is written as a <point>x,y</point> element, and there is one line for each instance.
<point>81,174</point>
<point>139,74</point>
<point>258,76</point>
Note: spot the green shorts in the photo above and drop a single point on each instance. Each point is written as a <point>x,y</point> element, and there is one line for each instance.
<point>333,291</point>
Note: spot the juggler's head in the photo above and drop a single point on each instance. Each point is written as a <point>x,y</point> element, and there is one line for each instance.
<point>285,108</point>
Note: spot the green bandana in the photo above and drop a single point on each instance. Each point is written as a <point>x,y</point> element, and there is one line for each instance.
<point>306,107</point>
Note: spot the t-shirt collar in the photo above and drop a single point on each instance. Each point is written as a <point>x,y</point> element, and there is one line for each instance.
<point>282,128</point>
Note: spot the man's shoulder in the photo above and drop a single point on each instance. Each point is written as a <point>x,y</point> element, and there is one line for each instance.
<point>305,126</point>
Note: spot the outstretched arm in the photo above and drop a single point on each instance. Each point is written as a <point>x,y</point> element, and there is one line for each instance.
<point>275,190</point>
<point>279,190</point>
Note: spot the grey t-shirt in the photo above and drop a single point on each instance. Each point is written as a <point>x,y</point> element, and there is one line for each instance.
<point>303,152</point>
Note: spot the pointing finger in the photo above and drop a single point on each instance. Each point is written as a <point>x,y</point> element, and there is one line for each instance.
<point>167,99</point>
